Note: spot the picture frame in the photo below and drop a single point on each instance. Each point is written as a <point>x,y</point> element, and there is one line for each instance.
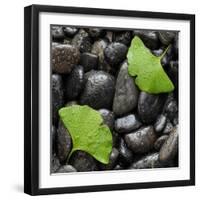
<point>33,78</point>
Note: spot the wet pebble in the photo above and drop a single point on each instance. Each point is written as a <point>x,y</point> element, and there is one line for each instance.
<point>126,92</point>
<point>89,61</point>
<point>108,117</point>
<point>127,124</point>
<point>160,123</point>
<point>58,33</point>
<point>64,58</point>
<point>168,128</point>
<point>64,142</point>
<point>166,37</point>
<point>96,32</point>
<point>74,82</point>
<point>123,37</point>
<point>115,53</point>
<point>83,41</point>
<point>70,31</point>
<point>125,154</point>
<point>55,164</point>
<point>66,169</point>
<point>159,142</point>
<point>150,38</point>
<point>142,140</point>
<point>83,162</point>
<point>57,96</point>
<point>171,109</point>
<point>112,160</point>
<point>148,161</point>
<point>149,106</point>
<point>169,149</point>
<point>99,90</point>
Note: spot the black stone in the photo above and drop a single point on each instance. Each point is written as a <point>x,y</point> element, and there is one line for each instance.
<point>149,106</point>
<point>82,41</point>
<point>150,38</point>
<point>96,32</point>
<point>108,117</point>
<point>115,53</point>
<point>57,33</point>
<point>142,140</point>
<point>57,96</point>
<point>74,83</point>
<point>148,161</point>
<point>89,61</point>
<point>123,37</point>
<point>66,169</point>
<point>126,92</point>
<point>169,149</point>
<point>125,154</point>
<point>160,141</point>
<point>127,124</point>
<point>160,123</point>
<point>55,164</point>
<point>166,37</point>
<point>69,31</point>
<point>64,143</point>
<point>99,90</point>
<point>83,162</point>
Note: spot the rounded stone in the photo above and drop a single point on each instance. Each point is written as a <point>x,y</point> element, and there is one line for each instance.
<point>125,154</point>
<point>166,37</point>
<point>148,161</point>
<point>150,38</point>
<point>89,61</point>
<point>57,33</point>
<point>55,164</point>
<point>108,117</point>
<point>149,106</point>
<point>115,53</point>
<point>64,58</point>
<point>57,96</point>
<point>99,90</point>
<point>159,142</point>
<point>82,41</point>
<point>96,32</point>
<point>126,92</point>
<point>169,149</point>
<point>168,128</point>
<point>66,169</point>
<point>142,140</point>
<point>70,31</point>
<point>127,124</point>
<point>160,123</point>
<point>74,83</point>
<point>83,162</point>
<point>64,143</point>
<point>123,37</point>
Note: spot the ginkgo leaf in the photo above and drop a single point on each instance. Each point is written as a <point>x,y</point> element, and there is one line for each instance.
<point>150,75</point>
<point>88,132</point>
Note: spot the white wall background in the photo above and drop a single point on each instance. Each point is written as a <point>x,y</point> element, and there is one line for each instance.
<point>11,99</point>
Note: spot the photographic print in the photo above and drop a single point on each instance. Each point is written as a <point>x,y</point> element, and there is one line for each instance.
<point>109,99</point>
<point>114,99</point>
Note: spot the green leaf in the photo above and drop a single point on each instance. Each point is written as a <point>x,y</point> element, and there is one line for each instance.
<point>88,133</point>
<point>147,67</point>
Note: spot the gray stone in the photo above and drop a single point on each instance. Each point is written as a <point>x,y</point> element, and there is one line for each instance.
<point>64,142</point>
<point>126,93</point>
<point>83,161</point>
<point>142,140</point>
<point>74,83</point>
<point>108,117</point>
<point>160,123</point>
<point>170,148</point>
<point>160,141</point>
<point>127,124</point>
<point>66,169</point>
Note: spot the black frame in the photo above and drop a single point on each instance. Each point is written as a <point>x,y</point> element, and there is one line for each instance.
<point>31,98</point>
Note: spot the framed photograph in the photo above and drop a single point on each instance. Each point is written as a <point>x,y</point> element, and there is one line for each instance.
<point>109,99</point>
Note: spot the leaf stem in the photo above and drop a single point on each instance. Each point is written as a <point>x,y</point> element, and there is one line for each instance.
<point>165,51</point>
